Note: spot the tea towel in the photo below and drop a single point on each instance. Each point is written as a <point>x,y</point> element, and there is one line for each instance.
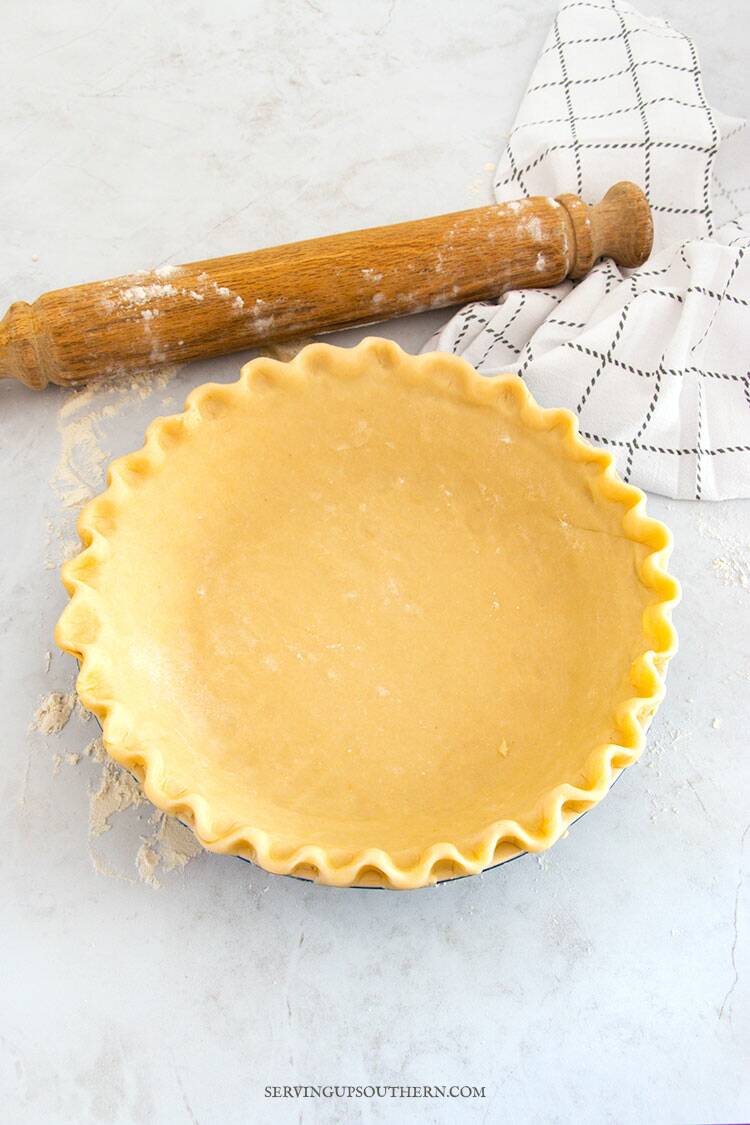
<point>653,361</point>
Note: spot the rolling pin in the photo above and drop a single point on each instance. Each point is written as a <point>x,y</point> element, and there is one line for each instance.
<point>178,313</point>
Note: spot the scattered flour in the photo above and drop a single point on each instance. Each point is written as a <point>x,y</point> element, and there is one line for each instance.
<point>95,750</point>
<point>53,712</point>
<point>534,228</point>
<point>140,294</point>
<point>79,471</point>
<point>81,712</point>
<point>733,570</point>
<point>477,188</point>
<point>170,846</point>
<point>77,477</point>
<point>60,546</point>
<point>64,759</point>
<point>117,791</point>
<point>732,566</point>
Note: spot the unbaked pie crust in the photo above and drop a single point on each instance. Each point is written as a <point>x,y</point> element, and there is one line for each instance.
<point>370,618</point>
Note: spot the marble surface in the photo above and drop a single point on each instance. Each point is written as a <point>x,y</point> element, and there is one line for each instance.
<point>606,981</point>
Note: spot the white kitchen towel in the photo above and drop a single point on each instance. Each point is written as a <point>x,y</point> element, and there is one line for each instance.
<point>654,361</point>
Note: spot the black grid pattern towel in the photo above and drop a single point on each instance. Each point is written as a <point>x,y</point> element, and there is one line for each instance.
<point>654,361</point>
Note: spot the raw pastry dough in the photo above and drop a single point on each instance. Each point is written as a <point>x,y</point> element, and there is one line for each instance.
<point>370,617</point>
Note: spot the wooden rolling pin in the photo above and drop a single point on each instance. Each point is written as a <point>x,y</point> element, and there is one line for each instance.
<point>178,313</point>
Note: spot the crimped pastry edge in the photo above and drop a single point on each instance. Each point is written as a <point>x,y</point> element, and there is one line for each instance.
<point>80,622</point>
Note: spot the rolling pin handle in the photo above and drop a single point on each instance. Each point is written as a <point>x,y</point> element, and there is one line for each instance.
<point>19,353</point>
<point>619,227</point>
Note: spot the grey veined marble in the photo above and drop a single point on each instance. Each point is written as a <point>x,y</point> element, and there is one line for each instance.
<point>606,982</point>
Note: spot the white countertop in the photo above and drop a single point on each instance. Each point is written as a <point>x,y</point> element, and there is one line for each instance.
<point>606,981</point>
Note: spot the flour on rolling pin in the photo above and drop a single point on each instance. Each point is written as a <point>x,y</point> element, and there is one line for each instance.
<point>146,294</point>
<point>178,313</point>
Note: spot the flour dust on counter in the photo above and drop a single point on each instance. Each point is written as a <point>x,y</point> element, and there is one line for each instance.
<point>80,420</point>
<point>166,845</point>
<point>87,420</point>
<point>53,712</point>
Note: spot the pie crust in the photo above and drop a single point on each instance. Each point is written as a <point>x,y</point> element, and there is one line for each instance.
<point>370,618</point>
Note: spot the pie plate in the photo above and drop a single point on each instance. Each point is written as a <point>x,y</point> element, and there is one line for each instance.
<point>370,618</point>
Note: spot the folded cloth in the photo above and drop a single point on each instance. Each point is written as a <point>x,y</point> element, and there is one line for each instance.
<point>653,361</point>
